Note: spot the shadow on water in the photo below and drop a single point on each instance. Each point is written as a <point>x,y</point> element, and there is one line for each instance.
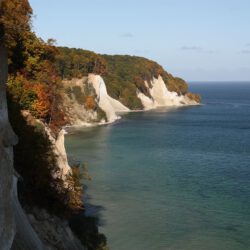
<point>93,210</point>
<point>86,225</point>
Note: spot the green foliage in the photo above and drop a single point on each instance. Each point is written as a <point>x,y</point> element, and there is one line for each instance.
<point>76,63</point>
<point>15,18</point>
<point>195,97</point>
<point>176,84</point>
<point>78,94</point>
<point>75,189</point>
<point>123,75</point>
<point>84,227</point>
<point>68,92</point>
<point>89,89</point>
<point>101,115</point>
<point>126,74</point>
<point>21,94</point>
<point>33,80</point>
<point>35,161</point>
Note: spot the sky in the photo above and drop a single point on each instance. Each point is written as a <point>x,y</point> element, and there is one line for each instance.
<point>198,40</point>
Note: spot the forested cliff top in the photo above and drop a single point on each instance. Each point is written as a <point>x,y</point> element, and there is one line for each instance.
<point>37,68</point>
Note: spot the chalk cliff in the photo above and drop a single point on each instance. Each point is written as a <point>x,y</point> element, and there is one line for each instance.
<point>160,96</point>
<point>77,90</point>
<point>108,104</point>
<point>87,102</point>
<point>7,140</point>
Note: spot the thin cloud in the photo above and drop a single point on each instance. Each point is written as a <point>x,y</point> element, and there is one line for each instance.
<point>245,51</point>
<point>191,48</point>
<point>127,35</point>
<point>212,51</point>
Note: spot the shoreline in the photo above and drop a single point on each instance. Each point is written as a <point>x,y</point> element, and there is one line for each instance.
<point>121,113</point>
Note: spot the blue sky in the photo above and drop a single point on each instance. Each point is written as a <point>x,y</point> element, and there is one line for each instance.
<point>199,40</point>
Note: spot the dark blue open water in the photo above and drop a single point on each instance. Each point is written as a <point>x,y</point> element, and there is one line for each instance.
<point>173,179</point>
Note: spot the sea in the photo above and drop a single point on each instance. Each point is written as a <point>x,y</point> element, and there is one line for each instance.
<point>172,178</point>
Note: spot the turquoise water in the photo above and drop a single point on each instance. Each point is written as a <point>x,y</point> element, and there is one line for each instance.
<point>173,178</point>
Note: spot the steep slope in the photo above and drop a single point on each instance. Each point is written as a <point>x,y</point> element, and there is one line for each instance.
<point>108,104</point>
<point>126,76</point>
<point>86,102</point>
<point>7,140</point>
<point>162,97</point>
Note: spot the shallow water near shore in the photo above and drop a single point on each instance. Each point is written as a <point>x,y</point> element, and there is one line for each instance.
<point>173,178</point>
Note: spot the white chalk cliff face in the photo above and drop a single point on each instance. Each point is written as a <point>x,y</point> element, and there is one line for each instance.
<point>15,230</point>
<point>7,140</point>
<point>57,145</point>
<point>162,97</point>
<point>62,159</point>
<point>108,104</point>
<point>26,237</point>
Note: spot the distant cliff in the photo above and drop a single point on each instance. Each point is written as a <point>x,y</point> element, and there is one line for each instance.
<point>100,87</point>
<point>124,75</point>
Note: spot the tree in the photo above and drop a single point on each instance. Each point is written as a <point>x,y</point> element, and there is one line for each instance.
<point>15,18</point>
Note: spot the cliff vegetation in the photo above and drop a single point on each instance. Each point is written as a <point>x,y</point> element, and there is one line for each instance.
<point>123,74</point>
<point>35,104</point>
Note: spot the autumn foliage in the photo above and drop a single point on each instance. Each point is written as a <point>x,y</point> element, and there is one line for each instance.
<point>34,82</point>
<point>90,102</point>
<point>195,97</point>
<point>42,103</point>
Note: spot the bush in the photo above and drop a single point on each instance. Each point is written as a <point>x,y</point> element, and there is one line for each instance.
<point>90,102</point>
<point>85,228</point>
<point>75,190</point>
<point>194,97</point>
<point>35,161</point>
<point>101,115</point>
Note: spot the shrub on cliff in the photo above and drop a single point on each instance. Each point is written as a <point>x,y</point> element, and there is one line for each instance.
<point>195,97</point>
<point>86,230</point>
<point>34,160</point>
<point>90,103</point>
<point>75,189</point>
<point>33,97</point>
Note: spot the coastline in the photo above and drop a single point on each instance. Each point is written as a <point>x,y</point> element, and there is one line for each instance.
<point>189,174</point>
<point>91,210</point>
<point>121,113</point>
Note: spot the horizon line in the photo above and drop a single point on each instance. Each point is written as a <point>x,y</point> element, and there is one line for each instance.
<point>216,81</point>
